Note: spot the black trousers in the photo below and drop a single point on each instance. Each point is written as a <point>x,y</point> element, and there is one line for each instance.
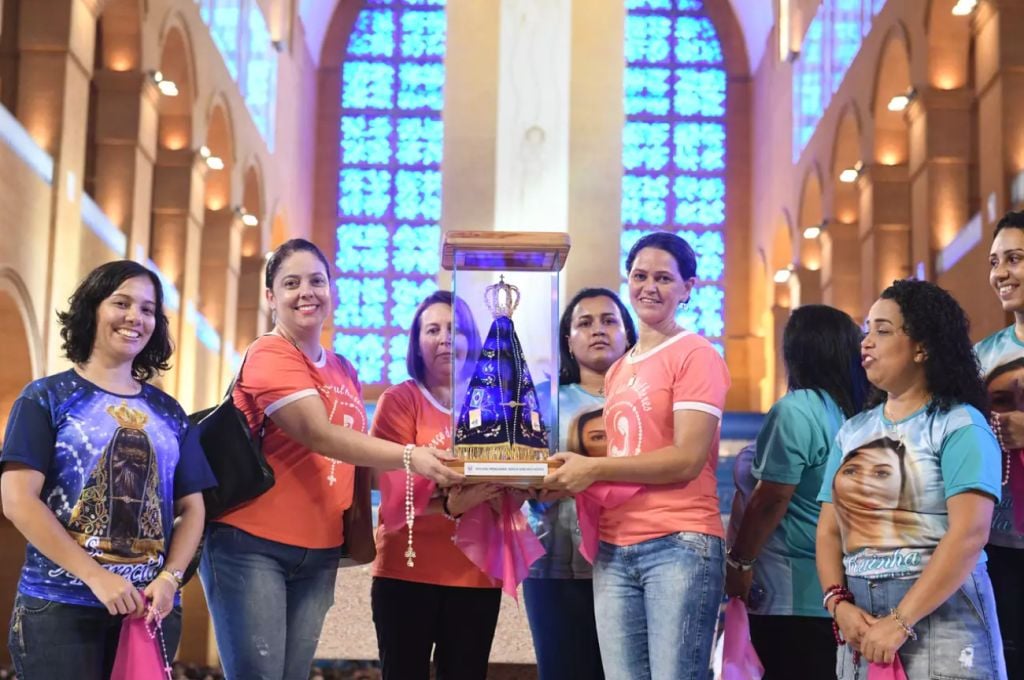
<point>414,620</point>
<point>1006,569</point>
<point>794,647</point>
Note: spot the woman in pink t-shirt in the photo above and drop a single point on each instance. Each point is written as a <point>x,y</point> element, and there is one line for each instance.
<point>659,571</point>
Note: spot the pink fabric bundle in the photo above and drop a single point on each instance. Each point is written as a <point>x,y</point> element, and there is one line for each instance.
<point>887,671</point>
<point>503,546</point>
<point>590,503</point>
<point>739,659</point>
<point>139,652</point>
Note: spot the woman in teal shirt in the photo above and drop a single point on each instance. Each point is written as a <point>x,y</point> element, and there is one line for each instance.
<point>771,562</point>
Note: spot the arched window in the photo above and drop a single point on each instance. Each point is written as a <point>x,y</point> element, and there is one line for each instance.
<point>830,44</point>
<point>389,180</point>
<point>674,144</point>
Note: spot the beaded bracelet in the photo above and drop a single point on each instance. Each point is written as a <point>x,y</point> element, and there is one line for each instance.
<point>907,628</point>
<point>410,506</point>
<point>446,511</point>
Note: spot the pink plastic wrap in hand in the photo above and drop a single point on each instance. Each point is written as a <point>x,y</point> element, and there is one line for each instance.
<point>139,653</point>
<point>887,671</point>
<point>590,503</point>
<point>739,660</point>
<point>502,545</point>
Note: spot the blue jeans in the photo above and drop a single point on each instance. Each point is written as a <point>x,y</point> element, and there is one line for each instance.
<point>958,640</point>
<point>657,604</point>
<point>561,615</point>
<point>268,602</point>
<point>53,640</point>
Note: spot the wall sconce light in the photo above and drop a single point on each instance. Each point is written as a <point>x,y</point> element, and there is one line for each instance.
<point>964,7</point>
<point>902,101</point>
<point>212,162</point>
<point>168,88</point>
<point>850,175</point>
<point>248,219</point>
<point>782,275</point>
<point>814,231</point>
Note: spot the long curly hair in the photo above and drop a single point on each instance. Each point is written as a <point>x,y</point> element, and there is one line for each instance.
<point>78,323</point>
<point>933,317</point>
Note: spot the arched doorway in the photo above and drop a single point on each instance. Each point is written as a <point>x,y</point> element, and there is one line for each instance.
<point>840,238</point>
<point>19,367</point>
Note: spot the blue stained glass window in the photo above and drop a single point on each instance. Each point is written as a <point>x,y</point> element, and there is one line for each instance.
<point>389,180</point>
<point>366,352</point>
<point>830,45</point>
<point>242,36</point>
<point>373,35</point>
<point>674,144</point>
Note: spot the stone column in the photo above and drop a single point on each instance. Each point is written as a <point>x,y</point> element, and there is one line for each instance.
<point>884,229</point>
<point>940,171</point>
<point>220,267</point>
<point>840,268</point>
<point>175,241</point>
<point>125,135</point>
<point>55,45</point>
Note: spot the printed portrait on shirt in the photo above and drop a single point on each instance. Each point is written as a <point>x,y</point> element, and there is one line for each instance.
<point>118,511</point>
<point>587,435</point>
<point>1005,385</point>
<point>877,494</point>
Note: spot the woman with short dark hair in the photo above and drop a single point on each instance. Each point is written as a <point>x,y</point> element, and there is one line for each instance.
<point>1001,356</point>
<point>770,563</point>
<point>595,330</point>
<point>103,475</point>
<point>659,569</point>
<point>901,535</point>
<point>456,604</point>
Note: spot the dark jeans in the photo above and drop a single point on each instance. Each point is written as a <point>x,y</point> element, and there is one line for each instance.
<point>794,646</point>
<point>51,640</point>
<point>561,615</point>
<point>413,619</point>
<point>1006,569</point>
<point>268,602</point>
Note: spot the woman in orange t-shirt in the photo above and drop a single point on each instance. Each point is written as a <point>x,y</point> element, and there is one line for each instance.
<point>268,567</point>
<point>456,604</point>
<point>660,567</point>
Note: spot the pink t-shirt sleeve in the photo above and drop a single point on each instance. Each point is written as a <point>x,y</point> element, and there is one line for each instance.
<point>700,382</point>
<point>276,374</point>
<point>395,416</point>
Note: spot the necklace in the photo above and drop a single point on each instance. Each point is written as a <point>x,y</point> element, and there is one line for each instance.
<point>632,365</point>
<point>997,429</point>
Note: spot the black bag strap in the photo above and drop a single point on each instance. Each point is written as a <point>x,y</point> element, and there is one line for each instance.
<point>231,389</point>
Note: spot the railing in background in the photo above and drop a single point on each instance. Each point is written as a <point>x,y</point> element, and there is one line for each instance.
<point>20,141</point>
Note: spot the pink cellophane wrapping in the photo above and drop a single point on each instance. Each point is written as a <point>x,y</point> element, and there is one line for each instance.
<point>739,659</point>
<point>590,503</point>
<point>887,671</point>
<point>139,653</point>
<point>502,545</point>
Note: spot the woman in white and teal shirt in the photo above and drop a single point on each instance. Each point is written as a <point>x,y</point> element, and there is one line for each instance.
<point>594,331</point>
<point>1002,366</point>
<point>770,563</point>
<point>908,497</point>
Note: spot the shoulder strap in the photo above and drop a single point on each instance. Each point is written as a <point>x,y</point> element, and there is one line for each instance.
<point>238,376</point>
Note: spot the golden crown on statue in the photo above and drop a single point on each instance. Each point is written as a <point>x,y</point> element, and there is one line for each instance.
<point>501,298</point>
<point>128,417</point>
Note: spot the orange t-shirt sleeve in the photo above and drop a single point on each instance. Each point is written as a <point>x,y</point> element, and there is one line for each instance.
<point>395,416</point>
<point>700,382</point>
<point>275,375</point>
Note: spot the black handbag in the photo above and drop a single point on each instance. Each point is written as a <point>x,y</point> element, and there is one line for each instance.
<point>234,453</point>
<point>359,546</point>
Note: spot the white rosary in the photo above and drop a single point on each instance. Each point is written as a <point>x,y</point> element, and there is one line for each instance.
<point>410,506</point>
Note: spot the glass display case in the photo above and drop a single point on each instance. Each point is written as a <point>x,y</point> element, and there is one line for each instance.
<point>505,351</point>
